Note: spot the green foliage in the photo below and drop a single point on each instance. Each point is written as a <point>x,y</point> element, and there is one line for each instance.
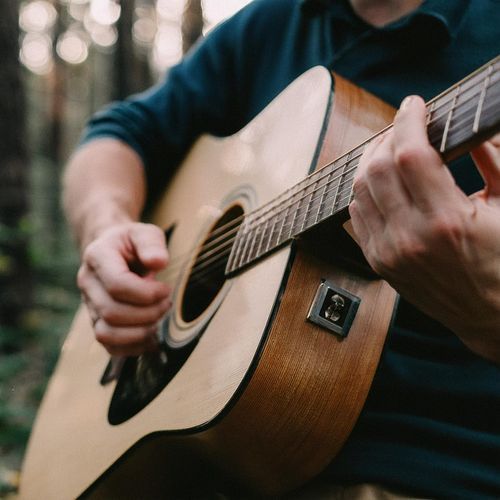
<point>29,352</point>
<point>11,365</point>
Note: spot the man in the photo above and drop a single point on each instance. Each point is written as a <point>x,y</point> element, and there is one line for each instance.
<point>430,425</point>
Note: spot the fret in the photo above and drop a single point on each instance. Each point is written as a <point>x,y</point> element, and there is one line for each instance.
<point>453,119</point>
<point>234,256</point>
<point>280,232</point>
<point>340,186</point>
<point>247,251</point>
<point>302,205</point>
<point>343,197</point>
<point>276,230</point>
<point>477,117</point>
<point>347,173</point>
<point>465,111</point>
<point>297,213</point>
<point>438,121</point>
<point>429,112</point>
<point>335,182</point>
<point>289,218</point>
<point>323,194</point>
<point>442,148</point>
<point>312,188</point>
<point>271,232</point>
<point>263,237</point>
<point>240,256</point>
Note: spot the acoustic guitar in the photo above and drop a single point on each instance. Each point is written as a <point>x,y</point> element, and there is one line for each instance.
<point>277,324</point>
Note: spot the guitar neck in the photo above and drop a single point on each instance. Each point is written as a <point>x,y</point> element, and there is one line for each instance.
<point>457,120</point>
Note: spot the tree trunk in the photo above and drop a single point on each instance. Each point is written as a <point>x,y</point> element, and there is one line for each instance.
<point>15,272</point>
<point>192,24</point>
<point>132,73</point>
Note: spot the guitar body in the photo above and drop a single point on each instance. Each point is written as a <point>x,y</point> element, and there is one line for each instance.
<point>262,398</point>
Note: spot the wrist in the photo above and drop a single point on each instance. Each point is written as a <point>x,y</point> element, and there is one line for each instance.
<point>99,218</point>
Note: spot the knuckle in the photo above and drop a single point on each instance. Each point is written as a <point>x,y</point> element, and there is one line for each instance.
<point>102,335</point>
<point>446,227</point>
<point>108,314</point>
<point>408,250</point>
<point>82,277</point>
<point>360,185</point>
<point>114,286</point>
<point>377,168</point>
<point>153,228</point>
<point>146,230</point>
<point>407,155</point>
<point>90,254</point>
<point>150,295</point>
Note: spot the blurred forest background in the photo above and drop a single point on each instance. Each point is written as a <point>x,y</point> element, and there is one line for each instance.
<point>61,61</point>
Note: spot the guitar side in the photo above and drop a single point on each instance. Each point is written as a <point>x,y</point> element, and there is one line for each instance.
<point>266,397</point>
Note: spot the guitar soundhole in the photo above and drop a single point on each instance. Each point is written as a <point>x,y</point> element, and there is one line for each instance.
<point>142,378</point>
<point>207,272</point>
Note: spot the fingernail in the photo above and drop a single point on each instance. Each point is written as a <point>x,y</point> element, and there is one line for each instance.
<point>406,102</point>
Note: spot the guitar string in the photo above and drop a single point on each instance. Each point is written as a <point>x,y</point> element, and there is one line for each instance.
<point>235,222</point>
<point>322,186</point>
<point>200,271</point>
<point>200,265</point>
<point>311,205</point>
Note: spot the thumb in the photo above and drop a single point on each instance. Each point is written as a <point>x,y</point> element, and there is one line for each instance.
<point>150,246</point>
<point>487,159</point>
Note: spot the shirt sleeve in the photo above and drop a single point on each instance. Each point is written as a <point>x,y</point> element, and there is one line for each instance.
<point>198,95</point>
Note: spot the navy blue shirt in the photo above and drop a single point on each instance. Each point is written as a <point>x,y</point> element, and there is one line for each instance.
<point>431,425</point>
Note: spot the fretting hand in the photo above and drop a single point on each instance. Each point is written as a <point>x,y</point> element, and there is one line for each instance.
<point>439,248</point>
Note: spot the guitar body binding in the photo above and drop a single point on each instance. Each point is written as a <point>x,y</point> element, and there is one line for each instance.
<point>245,385</point>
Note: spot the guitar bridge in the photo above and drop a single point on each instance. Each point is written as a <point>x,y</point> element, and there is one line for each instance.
<point>333,308</point>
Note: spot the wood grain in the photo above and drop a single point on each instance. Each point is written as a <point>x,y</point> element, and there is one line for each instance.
<point>308,386</point>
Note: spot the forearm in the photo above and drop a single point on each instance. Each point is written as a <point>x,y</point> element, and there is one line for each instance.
<point>103,185</point>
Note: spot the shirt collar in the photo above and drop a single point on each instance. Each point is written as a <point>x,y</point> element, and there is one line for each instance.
<point>445,16</point>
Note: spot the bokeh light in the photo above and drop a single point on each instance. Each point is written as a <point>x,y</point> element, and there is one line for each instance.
<point>104,36</point>
<point>156,29</point>
<point>105,12</point>
<point>36,53</point>
<point>72,47</point>
<point>167,48</point>
<point>214,11</point>
<point>170,9</point>
<point>38,16</point>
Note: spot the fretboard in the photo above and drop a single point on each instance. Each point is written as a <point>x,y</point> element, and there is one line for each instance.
<point>457,119</point>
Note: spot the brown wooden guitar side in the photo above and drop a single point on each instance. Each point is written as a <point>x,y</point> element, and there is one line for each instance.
<point>299,405</point>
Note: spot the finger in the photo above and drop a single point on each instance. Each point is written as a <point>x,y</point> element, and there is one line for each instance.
<point>366,217</point>
<point>133,350</point>
<point>426,178</point>
<point>384,183</point>
<point>102,305</point>
<point>119,281</point>
<point>150,246</point>
<point>125,337</point>
<point>363,210</point>
<point>487,159</point>
<point>358,224</point>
